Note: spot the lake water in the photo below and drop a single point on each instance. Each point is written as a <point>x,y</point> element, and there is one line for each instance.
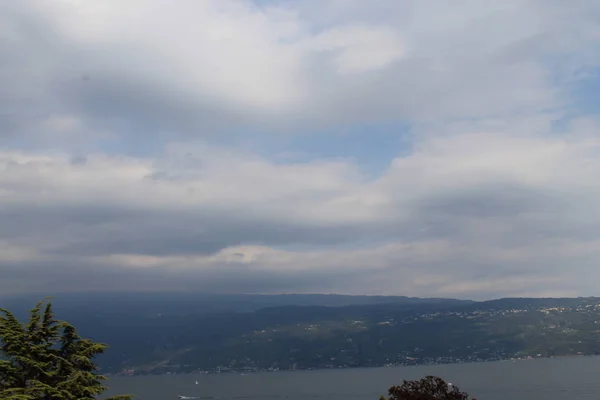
<point>543,379</point>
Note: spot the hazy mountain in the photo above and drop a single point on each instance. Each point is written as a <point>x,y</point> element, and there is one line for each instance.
<point>198,303</point>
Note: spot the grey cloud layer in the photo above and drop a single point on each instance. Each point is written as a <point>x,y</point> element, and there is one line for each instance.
<point>104,183</point>
<point>502,214</point>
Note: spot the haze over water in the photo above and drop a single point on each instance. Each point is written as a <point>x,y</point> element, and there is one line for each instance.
<point>547,379</point>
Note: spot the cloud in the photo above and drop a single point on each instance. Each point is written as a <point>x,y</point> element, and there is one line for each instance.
<point>359,49</point>
<point>207,68</point>
<point>124,155</point>
<point>458,213</point>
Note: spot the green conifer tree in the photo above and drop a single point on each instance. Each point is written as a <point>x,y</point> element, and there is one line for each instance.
<point>46,359</point>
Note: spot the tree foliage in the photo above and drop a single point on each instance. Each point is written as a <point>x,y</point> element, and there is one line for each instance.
<point>46,359</point>
<point>428,388</point>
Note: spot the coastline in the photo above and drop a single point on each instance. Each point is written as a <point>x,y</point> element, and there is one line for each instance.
<point>133,373</point>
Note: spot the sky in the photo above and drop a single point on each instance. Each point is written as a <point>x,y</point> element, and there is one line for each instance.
<point>387,147</point>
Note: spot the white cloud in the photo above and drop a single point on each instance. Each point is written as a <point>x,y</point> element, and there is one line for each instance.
<point>195,66</point>
<point>359,48</point>
<point>227,51</point>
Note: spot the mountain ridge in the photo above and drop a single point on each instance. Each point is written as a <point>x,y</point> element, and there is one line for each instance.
<point>262,332</point>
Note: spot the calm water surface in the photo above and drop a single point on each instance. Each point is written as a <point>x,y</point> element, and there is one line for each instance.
<point>543,379</point>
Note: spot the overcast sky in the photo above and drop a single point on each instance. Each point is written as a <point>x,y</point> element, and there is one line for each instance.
<point>409,147</point>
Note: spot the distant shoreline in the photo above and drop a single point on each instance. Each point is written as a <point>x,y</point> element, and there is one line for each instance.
<point>234,372</point>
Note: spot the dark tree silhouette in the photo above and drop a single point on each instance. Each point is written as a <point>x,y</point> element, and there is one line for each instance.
<point>46,359</point>
<point>428,388</point>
